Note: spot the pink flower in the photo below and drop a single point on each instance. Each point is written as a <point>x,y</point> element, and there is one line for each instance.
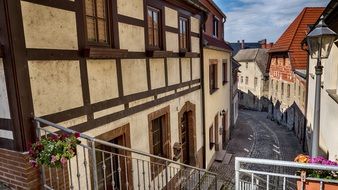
<point>77,134</point>
<point>33,163</point>
<point>54,158</point>
<point>63,160</point>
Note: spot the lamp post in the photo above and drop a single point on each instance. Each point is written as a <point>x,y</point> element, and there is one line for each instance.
<point>319,41</point>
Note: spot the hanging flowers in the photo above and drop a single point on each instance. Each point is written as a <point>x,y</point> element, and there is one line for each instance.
<point>54,151</point>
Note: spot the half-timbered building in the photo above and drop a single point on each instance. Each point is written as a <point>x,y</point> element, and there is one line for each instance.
<point>123,72</point>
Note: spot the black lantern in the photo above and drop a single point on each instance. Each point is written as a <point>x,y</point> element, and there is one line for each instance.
<point>320,40</point>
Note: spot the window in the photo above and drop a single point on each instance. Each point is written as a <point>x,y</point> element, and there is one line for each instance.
<point>213,77</point>
<point>96,22</point>
<point>153,28</point>
<point>159,137</point>
<point>215,27</point>
<point>246,80</point>
<point>216,132</point>
<point>255,82</point>
<point>183,33</point>
<point>211,137</point>
<point>289,90</point>
<point>284,61</point>
<point>225,71</point>
<point>241,79</point>
<point>246,65</point>
<point>271,85</point>
<point>282,88</point>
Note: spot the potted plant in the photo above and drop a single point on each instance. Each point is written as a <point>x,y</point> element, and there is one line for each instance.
<point>54,150</point>
<point>322,174</point>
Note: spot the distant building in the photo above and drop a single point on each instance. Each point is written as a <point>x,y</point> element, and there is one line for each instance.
<point>287,68</point>
<point>250,45</point>
<point>234,90</point>
<point>253,81</point>
<point>328,141</point>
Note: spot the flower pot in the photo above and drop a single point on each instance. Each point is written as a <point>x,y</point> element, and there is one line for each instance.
<point>315,185</point>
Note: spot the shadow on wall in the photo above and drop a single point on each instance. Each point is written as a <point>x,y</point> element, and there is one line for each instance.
<point>292,118</point>
<point>251,102</point>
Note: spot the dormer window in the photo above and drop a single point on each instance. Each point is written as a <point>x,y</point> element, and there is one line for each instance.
<point>215,27</point>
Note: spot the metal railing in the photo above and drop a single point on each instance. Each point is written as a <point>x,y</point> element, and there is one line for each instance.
<point>271,179</point>
<point>104,165</point>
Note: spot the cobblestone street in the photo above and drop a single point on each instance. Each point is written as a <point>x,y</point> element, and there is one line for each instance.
<point>257,137</point>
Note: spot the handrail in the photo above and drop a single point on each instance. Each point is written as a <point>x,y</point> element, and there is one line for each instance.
<point>286,164</point>
<point>118,146</point>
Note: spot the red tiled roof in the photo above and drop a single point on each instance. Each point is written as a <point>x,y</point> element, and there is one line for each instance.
<point>211,41</point>
<point>291,39</point>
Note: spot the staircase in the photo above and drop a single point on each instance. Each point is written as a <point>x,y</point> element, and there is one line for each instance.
<point>104,165</point>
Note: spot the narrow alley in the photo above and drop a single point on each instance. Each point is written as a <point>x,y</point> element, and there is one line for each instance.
<point>257,137</point>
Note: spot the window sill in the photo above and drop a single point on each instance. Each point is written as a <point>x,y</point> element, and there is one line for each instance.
<point>333,94</point>
<point>104,53</point>
<point>158,53</point>
<point>213,90</point>
<point>188,54</point>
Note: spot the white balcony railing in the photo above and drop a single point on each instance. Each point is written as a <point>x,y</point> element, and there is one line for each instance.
<point>254,174</point>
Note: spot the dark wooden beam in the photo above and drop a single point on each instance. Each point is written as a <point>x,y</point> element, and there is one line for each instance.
<point>59,4</point>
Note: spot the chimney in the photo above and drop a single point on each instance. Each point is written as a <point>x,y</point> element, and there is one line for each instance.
<point>263,44</point>
<point>242,44</point>
<point>238,41</point>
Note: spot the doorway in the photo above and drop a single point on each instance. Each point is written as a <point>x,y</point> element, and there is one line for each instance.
<point>224,131</point>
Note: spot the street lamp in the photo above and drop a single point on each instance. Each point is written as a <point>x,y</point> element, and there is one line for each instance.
<point>319,41</point>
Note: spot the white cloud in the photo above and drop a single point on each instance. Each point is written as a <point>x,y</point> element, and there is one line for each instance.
<point>254,20</point>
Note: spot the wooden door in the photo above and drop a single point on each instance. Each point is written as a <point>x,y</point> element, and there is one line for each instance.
<point>225,127</point>
<point>185,138</point>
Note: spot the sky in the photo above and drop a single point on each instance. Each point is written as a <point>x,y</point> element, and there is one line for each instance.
<point>254,20</point>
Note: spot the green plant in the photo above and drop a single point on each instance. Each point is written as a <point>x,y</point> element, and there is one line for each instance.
<point>54,151</point>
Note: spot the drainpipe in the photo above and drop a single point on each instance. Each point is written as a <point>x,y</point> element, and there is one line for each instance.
<point>204,17</point>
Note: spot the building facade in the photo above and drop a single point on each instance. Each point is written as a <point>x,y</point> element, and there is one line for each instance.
<point>235,93</point>
<point>216,72</point>
<point>253,79</point>
<point>329,95</point>
<point>109,69</point>
<point>287,65</point>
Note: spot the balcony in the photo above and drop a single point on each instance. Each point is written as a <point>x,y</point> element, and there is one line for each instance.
<point>256,174</point>
<point>104,165</point>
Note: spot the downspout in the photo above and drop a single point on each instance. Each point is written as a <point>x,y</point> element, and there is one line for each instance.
<point>203,20</point>
<point>305,143</point>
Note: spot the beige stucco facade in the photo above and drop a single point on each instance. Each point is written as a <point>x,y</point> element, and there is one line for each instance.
<point>217,101</point>
<point>329,104</point>
<point>253,73</point>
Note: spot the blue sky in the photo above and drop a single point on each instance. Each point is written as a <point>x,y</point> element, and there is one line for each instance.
<point>254,20</point>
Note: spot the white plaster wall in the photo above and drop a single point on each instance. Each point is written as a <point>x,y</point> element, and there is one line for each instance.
<point>47,27</point>
<point>195,25</point>
<point>102,79</point>
<point>139,125</point>
<point>329,108</point>
<point>131,8</point>
<point>196,68</point>
<point>217,101</point>
<point>185,63</point>
<point>252,71</point>
<point>195,45</point>
<point>134,76</point>
<point>173,39</point>
<point>4,108</point>
<point>157,75</point>
<point>56,86</point>
<point>173,71</point>
<point>171,17</point>
<point>131,37</point>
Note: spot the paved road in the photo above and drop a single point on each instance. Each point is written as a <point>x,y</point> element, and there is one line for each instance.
<point>257,137</point>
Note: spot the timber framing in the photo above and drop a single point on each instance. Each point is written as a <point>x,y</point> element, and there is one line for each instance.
<point>16,57</point>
